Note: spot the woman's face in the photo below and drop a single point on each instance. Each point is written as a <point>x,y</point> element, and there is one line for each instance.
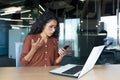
<point>50,28</point>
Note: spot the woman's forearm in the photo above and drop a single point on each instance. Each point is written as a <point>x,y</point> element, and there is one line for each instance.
<point>59,59</point>
<point>29,56</point>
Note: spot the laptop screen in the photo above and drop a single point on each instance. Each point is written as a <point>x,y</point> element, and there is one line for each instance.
<point>93,57</point>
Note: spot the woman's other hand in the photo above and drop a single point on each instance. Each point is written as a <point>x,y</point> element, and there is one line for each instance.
<point>37,44</point>
<point>62,52</point>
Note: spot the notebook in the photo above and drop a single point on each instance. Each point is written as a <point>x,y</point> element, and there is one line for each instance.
<point>77,71</point>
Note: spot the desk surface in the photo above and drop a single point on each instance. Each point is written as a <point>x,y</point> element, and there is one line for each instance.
<point>100,72</point>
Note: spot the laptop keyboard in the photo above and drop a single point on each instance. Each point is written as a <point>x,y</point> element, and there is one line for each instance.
<point>73,70</point>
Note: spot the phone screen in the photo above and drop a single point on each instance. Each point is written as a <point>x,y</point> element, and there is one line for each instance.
<point>65,47</point>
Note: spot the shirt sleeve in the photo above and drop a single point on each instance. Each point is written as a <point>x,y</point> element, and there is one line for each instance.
<point>25,50</point>
<point>56,51</point>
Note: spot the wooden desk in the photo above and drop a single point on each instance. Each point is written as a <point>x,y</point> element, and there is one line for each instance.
<point>100,72</point>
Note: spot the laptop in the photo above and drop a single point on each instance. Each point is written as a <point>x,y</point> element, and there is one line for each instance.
<point>77,71</point>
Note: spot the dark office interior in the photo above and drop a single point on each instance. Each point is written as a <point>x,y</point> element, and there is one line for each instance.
<point>91,16</point>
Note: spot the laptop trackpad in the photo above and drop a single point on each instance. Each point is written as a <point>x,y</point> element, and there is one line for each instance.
<point>73,70</point>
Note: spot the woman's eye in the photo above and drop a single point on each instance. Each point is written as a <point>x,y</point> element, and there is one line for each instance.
<point>53,27</point>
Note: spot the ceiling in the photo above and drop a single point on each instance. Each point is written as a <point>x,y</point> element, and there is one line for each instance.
<point>67,8</point>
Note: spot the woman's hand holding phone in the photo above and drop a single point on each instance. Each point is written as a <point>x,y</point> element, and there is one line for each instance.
<point>63,50</point>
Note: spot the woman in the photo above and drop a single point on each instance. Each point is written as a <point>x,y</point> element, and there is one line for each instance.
<point>40,45</point>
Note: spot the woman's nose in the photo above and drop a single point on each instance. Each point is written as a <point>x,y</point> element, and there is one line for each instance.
<point>53,29</point>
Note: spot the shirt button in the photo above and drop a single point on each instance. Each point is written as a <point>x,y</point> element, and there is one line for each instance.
<point>45,65</point>
<point>45,58</point>
<point>45,45</point>
<point>46,52</point>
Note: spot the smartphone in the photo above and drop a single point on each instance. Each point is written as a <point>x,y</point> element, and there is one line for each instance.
<point>65,47</point>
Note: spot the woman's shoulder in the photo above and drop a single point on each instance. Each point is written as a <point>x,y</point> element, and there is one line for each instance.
<point>54,40</point>
<point>32,36</point>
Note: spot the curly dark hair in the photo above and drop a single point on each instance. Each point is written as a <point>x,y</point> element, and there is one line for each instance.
<point>38,26</point>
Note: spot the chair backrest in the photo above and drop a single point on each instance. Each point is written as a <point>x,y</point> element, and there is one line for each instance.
<point>18,49</point>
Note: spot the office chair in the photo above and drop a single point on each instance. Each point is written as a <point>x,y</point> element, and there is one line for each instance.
<point>18,49</point>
